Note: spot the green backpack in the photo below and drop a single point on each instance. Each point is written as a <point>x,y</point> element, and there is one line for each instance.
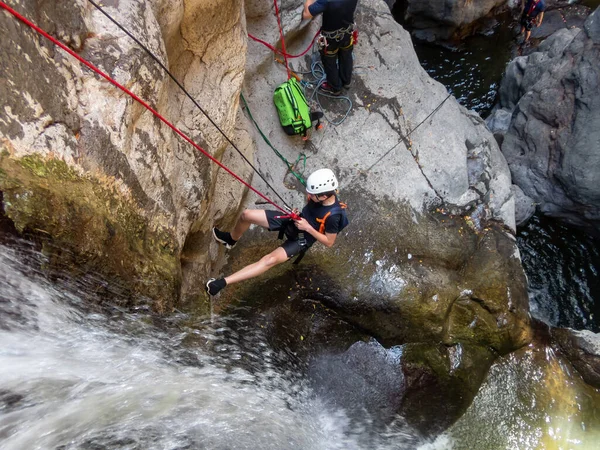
<point>294,114</point>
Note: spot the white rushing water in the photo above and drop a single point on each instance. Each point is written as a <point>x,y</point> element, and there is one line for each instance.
<point>72,377</point>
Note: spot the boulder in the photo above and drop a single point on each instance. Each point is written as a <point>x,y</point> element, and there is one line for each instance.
<point>525,398</point>
<point>582,349</point>
<point>418,382</point>
<point>433,20</point>
<point>551,143</point>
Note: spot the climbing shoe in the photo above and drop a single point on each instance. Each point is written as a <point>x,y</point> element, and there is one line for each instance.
<point>224,238</point>
<point>214,285</point>
<point>326,88</point>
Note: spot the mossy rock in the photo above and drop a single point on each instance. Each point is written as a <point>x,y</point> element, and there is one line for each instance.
<point>452,296</point>
<point>87,225</point>
<point>406,278</point>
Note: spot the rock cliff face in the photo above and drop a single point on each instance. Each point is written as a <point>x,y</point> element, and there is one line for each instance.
<point>549,117</point>
<point>58,110</point>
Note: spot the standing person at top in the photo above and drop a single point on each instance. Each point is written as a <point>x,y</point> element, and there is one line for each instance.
<point>321,220</point>
<point>337,28</point>
<point>533,13</point>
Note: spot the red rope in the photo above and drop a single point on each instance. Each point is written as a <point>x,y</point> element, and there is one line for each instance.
<point>136,98</point>
<point>284,53</point>
<point>276,50</point>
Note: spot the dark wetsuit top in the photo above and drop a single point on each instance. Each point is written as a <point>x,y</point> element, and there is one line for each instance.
<point>337,14</point>
<point>313,210</point>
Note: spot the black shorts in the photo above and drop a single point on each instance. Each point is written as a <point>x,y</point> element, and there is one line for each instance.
<point>290,245</point>
<point>527,22</point>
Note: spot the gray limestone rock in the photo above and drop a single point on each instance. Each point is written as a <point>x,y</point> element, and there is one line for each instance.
<point>499,121</point>
<point>428,256</point>
<point>552,142</point>
<point>408,175</point>
<point>388,145</point>
<point>411,380</point>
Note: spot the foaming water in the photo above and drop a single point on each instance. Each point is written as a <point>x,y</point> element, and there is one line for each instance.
<point>74,376</point>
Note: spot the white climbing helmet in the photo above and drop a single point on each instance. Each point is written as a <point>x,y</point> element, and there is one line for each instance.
<point>322,180</point>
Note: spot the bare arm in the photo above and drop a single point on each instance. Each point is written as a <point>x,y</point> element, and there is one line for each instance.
<point>540,18</point>
<point>306,13</point>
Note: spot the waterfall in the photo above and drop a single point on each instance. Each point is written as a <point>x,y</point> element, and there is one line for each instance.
<point>76,375</point>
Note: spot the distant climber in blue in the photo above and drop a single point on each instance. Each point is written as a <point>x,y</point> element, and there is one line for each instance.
<point>339,36</point>
<point>533,14</point>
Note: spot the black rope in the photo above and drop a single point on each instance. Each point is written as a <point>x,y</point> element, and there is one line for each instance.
<point>155,58</point>
<point>404,138</point>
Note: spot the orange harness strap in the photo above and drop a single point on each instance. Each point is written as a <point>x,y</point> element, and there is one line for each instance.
<point>322,222</point>
<point>324,219</point>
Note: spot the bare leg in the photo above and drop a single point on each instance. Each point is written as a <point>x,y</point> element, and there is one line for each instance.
<point>249,217</point>
<point>527,35</point>
<point>277,256</point>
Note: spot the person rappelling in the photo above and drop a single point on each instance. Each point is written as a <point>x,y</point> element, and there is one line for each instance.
<point>533,14</point>
<point>322,218</point>
<point>336,40</point>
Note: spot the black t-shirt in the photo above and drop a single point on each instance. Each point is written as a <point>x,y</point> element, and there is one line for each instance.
<point>313,210</point>
<point>337,14</point>
<point>533,9</point>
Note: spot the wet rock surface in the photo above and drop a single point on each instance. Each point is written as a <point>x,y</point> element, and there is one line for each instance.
<point>428,261</point>
<point>582,349</point>
<point>453,298</point>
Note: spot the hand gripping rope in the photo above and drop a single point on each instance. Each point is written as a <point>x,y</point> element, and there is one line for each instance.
<point>140,101</point>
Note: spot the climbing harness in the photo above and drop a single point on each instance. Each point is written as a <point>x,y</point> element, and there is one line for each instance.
<point>339,208</point>
<point>176,81</point>
<point>338,35</point>
<point>325,37</point>
<point>141,102</point>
